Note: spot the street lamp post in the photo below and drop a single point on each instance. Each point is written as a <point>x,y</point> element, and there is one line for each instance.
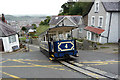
<point>27,40</point>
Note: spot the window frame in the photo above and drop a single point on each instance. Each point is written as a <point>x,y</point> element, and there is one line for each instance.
<point>99,21</point>
<point>88,35</point>
<point>92,24</point>
<point>96,10</point>
<point>80,30</point>
<point>12,39</point>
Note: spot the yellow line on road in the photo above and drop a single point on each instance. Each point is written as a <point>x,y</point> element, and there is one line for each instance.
<point>18,61</point>
<point>28,60</point>
<point>19,66</point>
<point>31,50</point>
<point>33,66</point>
<point>100,62</point>
<point>3,61</point>
<point>113,61</point>
<point>13,76</point>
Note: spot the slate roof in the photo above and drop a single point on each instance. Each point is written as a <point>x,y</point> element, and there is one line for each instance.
<point>6,30</point>
<point>55,19</point>
<point>111,6</point>
<point>76,19</point>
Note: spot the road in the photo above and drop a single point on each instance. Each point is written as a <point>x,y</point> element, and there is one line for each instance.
<point>34,64</point>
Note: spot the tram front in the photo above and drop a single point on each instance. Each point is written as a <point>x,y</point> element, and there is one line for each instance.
<point>61,43</point>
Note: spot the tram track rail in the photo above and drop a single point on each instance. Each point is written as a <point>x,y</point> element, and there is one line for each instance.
<point>97,74</point>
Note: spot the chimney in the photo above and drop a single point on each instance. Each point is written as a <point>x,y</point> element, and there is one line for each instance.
<point>3,18</point>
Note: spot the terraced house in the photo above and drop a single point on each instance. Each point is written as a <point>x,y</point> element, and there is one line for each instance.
<point>103,22</point>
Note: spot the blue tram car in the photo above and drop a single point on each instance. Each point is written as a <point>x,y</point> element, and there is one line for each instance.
<point>54,44</point>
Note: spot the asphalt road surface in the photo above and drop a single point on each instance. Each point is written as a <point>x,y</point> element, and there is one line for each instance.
<point>34,64</point>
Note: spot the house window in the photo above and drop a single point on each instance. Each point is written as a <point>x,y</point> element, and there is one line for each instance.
<point>93,21</point>
<point>81,30</point>
<point>100,21</point>
<point>96,7</point>
<point>12,39</point>
<point>92,36</point>
<point>88,35</point>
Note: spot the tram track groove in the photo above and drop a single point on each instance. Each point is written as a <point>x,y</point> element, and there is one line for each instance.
<point>95,70</point>
<point>89,71</point>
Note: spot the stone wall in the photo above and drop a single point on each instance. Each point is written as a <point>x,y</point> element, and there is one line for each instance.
<point>86,45</point>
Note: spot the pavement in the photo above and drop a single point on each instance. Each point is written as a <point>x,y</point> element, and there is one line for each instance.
<point>103,61</point>
<point>107,48</point>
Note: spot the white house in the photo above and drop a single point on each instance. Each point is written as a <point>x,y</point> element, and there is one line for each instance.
<point>8,38</point>
<point>103,22</point>
<point>31,30</point>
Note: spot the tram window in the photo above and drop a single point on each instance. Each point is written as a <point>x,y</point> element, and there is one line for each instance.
<point>44,38</point>
<point>61,36</point>
<point>51,39</point>
<point>68,35</point>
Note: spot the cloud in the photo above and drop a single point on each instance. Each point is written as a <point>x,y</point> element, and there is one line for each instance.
<point>50,7</point>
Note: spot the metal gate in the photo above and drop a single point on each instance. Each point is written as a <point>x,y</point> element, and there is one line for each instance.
<point>1,45</point>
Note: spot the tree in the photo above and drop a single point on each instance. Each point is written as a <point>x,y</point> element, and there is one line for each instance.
<point>66,7</point>
<point>75,8</point>
<point>46,21</point>
<point>34,26</point>
<point>24,28</point>
<point>41,23</point>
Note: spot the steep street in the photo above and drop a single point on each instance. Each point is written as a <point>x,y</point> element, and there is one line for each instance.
<point>35,64</point>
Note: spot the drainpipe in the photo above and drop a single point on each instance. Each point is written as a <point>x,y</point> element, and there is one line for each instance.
<point>109,27</point>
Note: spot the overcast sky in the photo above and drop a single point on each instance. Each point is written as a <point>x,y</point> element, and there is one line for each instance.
<point>31,7</point>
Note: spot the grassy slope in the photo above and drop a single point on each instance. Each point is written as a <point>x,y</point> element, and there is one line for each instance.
<point>41,29</point>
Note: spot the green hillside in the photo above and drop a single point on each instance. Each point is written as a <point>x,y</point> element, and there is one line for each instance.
<point>41,29</point>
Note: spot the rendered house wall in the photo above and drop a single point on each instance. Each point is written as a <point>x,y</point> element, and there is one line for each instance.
<point>8,46</point>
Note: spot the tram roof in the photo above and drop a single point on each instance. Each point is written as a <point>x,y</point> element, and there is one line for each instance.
<point>61,29</point>
<point>58,28</point>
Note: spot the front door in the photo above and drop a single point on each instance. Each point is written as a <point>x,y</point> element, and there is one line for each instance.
<point>1,45</point>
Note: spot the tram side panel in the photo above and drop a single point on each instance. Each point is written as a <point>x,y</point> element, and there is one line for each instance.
<point>44,47</point>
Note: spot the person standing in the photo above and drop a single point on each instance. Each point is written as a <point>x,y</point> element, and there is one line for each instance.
<point>119,45</point>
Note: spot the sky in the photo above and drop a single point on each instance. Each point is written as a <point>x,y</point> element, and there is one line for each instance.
<point>31,7</point>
